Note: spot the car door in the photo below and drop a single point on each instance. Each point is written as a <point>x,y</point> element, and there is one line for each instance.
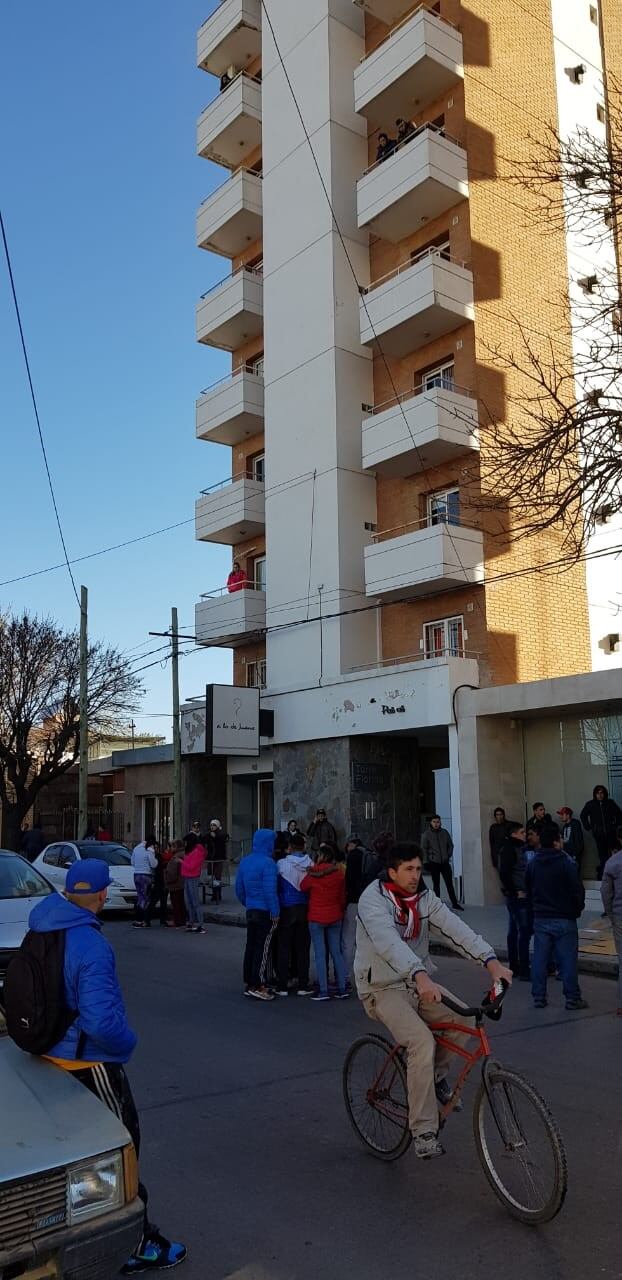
<point>67,854</point>
<point>47,863</point>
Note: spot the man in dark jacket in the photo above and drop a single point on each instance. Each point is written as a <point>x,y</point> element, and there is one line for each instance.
<point>33,842</point>
<point>601,816</point>
<point>437,848</point>
<point>572,834</point>
<point>512,865</point>
<point>362,867</point>
<point>498,831</point>
<point>321,831</point>
<point>539,817</point>
<point>557,898</point>
<point>100,1041</point>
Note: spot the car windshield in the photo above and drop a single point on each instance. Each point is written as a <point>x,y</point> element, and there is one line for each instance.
<point>19,880</point>
<point>115,855</point>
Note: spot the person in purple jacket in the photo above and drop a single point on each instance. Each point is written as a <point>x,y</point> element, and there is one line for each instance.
<point>100,1040</point>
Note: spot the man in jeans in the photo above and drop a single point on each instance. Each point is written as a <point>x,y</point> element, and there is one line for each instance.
<point>256,889</point>
<point>556,895</point>
<point>611,894</point>
<point>512,862</point>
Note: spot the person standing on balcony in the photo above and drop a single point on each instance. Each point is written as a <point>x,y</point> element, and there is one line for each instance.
<point>405,131</point>
<point>386,147</point>
<point>237,578</point>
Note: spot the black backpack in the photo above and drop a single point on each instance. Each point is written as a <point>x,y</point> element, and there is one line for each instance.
<point>371,866</point>
<point>37,1016</point>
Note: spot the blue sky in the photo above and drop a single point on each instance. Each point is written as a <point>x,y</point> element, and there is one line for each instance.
<point>100,184</point>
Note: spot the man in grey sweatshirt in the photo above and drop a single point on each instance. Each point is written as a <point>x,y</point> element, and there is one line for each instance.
<point>611,894</point>
<point>392,969</point>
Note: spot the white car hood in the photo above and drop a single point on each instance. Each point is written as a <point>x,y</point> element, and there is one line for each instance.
<point>14,913</point>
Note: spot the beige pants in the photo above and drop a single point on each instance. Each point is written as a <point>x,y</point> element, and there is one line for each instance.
<point>409,1021</point>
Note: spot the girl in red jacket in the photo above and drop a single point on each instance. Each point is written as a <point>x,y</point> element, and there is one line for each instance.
<point>325,883</point>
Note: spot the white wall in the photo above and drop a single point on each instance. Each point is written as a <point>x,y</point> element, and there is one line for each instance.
<point>317,375</point>
<point>577,40</point>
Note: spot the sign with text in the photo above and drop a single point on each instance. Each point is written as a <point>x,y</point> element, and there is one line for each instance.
<point>231,720</point>
<point>370,777</point>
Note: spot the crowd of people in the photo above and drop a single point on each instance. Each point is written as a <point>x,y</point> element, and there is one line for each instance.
<point>539,868</point>
<point>174,871</point>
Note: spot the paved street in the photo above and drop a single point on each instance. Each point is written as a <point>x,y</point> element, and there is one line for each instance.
<point>249,1156</point>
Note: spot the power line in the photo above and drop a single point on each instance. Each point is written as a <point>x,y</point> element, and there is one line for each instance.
<point>34,403</point>
<point>117,546</point>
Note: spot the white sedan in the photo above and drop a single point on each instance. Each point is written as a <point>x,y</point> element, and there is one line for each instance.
<point>56,858</point>
<point>21,888</point>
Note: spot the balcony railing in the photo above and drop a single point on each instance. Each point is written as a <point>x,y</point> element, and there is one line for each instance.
<point>437,255</point>
<point>427,522</point>
<point>220,382</point>
<point>427,127</point>
<point>419,8</point>
<point>253,271</point>
<point>442,384</point>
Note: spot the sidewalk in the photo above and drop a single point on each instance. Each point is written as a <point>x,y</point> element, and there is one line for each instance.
<point>596,949</point>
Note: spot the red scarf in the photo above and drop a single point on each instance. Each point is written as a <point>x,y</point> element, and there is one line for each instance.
<point>406,907</point>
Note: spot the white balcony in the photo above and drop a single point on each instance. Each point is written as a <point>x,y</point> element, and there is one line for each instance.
<point>427,558</point>
<point>422,429</point>
<point>231,218</point>
<point>231,36</point>
<point>421,180</point>
<point>230,619</point>
<point>231,512</point>
<point>229,130</point>
<point>232,312</point>
<point>231,410</point>
<point>418,302</point>
<point>418,62</point>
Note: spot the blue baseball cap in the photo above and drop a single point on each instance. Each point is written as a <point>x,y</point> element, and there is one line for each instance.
<point>90,875</point>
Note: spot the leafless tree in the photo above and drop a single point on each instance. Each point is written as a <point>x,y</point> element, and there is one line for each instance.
<point>39,708</point>
<point>556,460</point>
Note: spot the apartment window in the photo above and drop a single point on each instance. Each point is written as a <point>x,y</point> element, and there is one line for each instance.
<point>594,14</point>
<point>441,376</point>
<point>259,573</point>
<point>256,365</point>
<point>438,245</point>
<point>601,114</point>
<point>157,814</point>
<point>255,264</point>
<point>445,637</point>
<point>444,507</point>
<point>256,674</point>
<point>256,467</point>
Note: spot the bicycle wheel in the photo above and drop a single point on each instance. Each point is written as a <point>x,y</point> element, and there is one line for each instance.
<point>376,1098</point>
<point>520,1146</point>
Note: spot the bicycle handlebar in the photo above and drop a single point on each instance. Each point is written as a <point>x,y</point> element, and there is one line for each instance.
<point>490,1005</point>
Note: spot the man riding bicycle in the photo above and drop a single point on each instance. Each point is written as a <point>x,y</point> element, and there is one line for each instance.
<point>392,970</point>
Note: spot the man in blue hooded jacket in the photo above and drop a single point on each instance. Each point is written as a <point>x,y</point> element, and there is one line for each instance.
<point>100,1040</point>
<point>256,889</point>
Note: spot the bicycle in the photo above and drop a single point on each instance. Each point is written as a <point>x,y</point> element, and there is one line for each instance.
<point>510,1119</point>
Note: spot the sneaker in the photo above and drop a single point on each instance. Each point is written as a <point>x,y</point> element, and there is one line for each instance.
<point>342,995</point>
<point>278,992</point>
<point>540,1004</point>
<point>317,996</point>
<point>189,928</point>
<point>577,1004</point>
<point>260,993</point>
<point>445,1093</point>
<point>198,928</point>
<point>427,1146</point>
<point>138,924</point>
<point>154,1253</point>
<point>307,991</point>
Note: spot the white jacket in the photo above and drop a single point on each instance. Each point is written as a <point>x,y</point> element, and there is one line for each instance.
<point>144,860</point>
<point>384,958</point>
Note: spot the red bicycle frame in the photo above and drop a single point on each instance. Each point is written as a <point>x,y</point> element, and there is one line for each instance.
<point>378,1088</point>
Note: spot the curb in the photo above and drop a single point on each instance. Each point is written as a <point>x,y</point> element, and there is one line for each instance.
<point>599,966</point>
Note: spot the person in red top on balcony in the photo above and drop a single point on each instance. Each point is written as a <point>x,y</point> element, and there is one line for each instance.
<point>325,883</point>
<point>237,578</point>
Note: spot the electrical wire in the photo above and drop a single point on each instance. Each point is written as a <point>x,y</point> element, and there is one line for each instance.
<point>34,403</point>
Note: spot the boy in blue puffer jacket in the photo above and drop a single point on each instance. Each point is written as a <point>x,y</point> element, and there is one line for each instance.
<point>100,1040</point>
<point>256,889</point>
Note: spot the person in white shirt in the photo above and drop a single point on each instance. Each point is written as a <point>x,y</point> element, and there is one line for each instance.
<point>144,862</point>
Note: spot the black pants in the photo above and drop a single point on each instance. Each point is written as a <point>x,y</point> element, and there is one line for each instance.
<point>109,1083</point>
<point>602,840</point>
<point>294,942</point>
<point>520,929</point>
<point>259,930</point>
<point>159,898</point>
<point>438,869</point>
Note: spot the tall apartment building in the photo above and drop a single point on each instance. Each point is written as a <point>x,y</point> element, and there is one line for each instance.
<point>363,305</point>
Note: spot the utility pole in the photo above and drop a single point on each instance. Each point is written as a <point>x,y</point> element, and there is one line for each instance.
<point>83,767</point>
<point>177,817</point>
<point>132,728</point>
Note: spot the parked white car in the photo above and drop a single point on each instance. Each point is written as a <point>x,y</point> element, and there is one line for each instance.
<point>56,858</point>
<point>21,888</point>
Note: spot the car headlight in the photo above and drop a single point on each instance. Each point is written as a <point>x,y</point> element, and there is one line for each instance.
<point>115,884</point>
<point>95,1187</point>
